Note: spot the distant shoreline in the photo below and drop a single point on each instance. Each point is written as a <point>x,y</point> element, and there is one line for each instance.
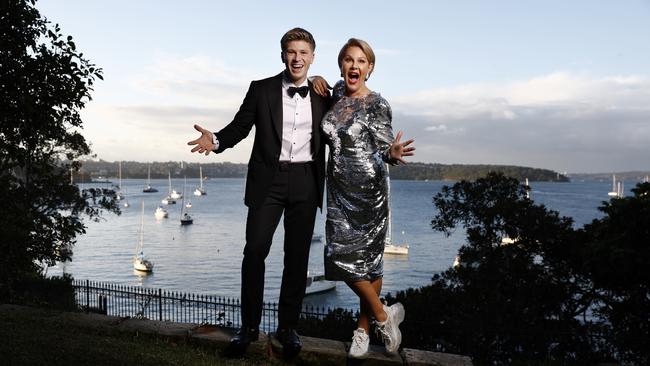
<point>93,169</point>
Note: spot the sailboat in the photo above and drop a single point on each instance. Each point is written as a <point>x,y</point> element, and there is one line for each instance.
<point>614,191</point>
<point>189,202</point>
<point>389,247</point>
<point>175,195</point>
<point>169,200</point>
<point>140,262</point>
<point>527,190</point>
<point>148,188</point>
<point>200,191</point>
<point>118,195</point>
<point>186,219</point>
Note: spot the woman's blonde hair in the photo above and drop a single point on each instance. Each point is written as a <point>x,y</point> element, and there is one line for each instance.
<point>364,46</point>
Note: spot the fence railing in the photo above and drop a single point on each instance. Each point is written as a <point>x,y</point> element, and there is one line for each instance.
<point>158,304</point>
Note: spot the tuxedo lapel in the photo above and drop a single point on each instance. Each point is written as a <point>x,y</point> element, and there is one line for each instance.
<point>316,115</point>
<point>275,105</point>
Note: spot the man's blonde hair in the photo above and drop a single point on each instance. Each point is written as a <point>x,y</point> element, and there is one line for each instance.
<point>297,34</point>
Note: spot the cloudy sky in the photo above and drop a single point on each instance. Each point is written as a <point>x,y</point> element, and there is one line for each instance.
<point>563,85</point>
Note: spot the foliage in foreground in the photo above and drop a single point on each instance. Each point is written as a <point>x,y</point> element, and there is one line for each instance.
<point>554,295</point>
<point>45,84</point>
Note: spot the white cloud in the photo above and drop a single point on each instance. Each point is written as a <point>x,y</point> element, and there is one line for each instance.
<point>152,118</point>
<point>560,121</point>
<point>437,128</point>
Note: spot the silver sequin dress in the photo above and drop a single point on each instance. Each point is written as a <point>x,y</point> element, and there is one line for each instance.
<point>358,132</point>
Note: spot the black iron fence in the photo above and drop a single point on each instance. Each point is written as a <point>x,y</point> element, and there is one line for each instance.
<point>158,304</point>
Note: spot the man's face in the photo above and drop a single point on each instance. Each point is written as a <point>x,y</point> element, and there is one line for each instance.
<point>297,58</point>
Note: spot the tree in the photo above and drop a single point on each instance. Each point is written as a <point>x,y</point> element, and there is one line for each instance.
<point>44,83</point>
<point>616,260</point>
<point>507,302</point>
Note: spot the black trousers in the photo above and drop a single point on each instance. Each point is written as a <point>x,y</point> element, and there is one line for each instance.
<point>293,192</point>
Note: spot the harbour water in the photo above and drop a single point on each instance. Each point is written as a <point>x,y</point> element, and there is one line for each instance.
<point>205,258</point>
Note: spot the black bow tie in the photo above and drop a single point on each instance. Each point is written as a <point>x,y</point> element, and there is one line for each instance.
<point>303,90</point>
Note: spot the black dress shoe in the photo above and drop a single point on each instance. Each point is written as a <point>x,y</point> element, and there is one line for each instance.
<point>242,339</point>
<point>291,344</point>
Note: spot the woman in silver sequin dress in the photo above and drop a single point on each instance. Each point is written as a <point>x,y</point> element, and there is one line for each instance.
<point>359,134</point>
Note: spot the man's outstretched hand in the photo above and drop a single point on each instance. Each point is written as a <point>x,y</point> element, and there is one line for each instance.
<point>204,142</point>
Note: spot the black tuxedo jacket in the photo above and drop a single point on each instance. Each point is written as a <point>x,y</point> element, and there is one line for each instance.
<point>262,108</point>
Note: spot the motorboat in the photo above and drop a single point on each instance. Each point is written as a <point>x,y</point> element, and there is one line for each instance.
<point>317,284</point>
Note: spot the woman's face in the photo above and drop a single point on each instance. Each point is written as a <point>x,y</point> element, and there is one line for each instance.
<point>355,69</point>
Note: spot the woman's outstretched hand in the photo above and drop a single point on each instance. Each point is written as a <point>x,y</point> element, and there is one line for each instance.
<point>204,143</point>
<point>400,149</point>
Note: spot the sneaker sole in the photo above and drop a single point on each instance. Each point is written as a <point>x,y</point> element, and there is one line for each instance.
<point>399,318</point>
<point>361,357</point>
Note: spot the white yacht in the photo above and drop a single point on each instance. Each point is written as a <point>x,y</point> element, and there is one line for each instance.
<point>161,213</point>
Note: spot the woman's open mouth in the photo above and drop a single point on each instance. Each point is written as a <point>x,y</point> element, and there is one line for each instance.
<point>353,77</point>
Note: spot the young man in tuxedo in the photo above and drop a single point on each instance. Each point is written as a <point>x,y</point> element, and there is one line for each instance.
<point>286,174</point>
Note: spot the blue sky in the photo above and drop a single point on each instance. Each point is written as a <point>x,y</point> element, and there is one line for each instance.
<point>563,85</point>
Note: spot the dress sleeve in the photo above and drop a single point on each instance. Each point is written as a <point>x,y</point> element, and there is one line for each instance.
<point>380,117</point>
<point>338,91</point>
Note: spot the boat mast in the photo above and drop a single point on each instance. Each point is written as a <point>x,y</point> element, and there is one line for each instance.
<point>389,237</point>
<point>141,244</point>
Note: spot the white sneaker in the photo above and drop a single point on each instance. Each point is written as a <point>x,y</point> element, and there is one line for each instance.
<point>388,330</point>
<point>360,344</point>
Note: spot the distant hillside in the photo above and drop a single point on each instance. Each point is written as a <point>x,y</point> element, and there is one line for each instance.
<point>423,171</point>
<point>412,171</point>
<point>133,169</point>
<point>634,176</point>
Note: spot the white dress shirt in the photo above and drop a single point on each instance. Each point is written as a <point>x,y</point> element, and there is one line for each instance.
<point>296,125</point>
